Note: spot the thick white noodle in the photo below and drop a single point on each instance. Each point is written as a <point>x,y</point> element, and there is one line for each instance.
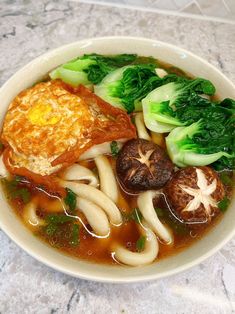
<point>161,72</point>
<point>3,170</point>
<point>77,173</point>
<point>98,197</point>
<point>147,256</point>
<point>100,149</point>
<point>108,183</point>
<point>140,126</point>
<point>30,216</point>
<point>95,216</point>
<point>145,205</point>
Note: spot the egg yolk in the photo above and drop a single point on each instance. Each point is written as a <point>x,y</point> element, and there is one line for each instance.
<point>43,114</point>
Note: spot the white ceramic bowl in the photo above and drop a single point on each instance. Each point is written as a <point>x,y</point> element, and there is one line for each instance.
<point>13,227</point>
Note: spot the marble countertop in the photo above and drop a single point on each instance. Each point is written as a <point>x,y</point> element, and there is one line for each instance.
<point>29,28</point>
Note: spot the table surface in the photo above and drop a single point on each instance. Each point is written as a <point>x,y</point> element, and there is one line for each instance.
<point>27,29</point>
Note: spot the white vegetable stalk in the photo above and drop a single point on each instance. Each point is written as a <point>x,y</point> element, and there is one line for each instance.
<point>145,205</point>
<point>98,197</point>
<point>161,72</point>
<point>77,173</point>
<point>108,184</point>
<point>147,256</point>
<point>140,126</point>
<point>95,216</point>
<point>30,216</point>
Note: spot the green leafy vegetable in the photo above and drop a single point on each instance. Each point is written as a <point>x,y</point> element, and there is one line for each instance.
<point>223,204</point>
<point>15,190</point>
<point>125,87</point>
<point>203,143</point>
<point>177,103</point>
<point>90,68</point>
<point>140,244</point>
<point>114,148</point>
<point>70,199</point>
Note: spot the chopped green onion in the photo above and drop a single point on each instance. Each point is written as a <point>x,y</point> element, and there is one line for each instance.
<point>133,120</point>
<point>135,215</point>
<point>223,204</point>
<point>226,179</point>
<point>58,219</point>
<point>140,243</point>
<point>70,199</point>
<point>14,191</point>
<point>62,227</point>
<point>24,194</point>
<point>19,179</point>
<point>114,148</point>
<point>51,229</point>
<point>159,212</point>
<point>75,235</point>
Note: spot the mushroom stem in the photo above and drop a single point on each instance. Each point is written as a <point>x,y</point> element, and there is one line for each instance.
<point>145,204</point>
<point>147,256</point>
<point>108,183</point>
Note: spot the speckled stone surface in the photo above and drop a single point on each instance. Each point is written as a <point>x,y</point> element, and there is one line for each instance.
<point>29,28</point>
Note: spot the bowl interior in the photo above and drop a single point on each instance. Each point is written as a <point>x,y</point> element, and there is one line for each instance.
<point>35,71</point>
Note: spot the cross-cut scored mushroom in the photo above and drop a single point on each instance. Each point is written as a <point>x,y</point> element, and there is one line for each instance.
<point>194,193</point>
<point>143,165</point>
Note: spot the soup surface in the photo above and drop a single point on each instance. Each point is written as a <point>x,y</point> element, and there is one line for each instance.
<point>94,164</point>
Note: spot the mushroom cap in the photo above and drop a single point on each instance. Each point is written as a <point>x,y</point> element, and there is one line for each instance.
<point>142,165</point>
<point>193,194</point>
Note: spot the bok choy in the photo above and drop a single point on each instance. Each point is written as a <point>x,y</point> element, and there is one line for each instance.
<point>127,86</point>
<point>90,69</point>
<point>176,103</point>
<point>210,140</point>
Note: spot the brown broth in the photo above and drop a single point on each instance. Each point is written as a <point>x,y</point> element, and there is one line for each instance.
<point>100,250</point>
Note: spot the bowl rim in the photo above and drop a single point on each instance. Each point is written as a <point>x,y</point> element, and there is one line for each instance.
<point>126,279</point>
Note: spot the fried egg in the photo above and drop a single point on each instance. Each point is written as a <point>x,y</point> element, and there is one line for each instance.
<point>50,125</point>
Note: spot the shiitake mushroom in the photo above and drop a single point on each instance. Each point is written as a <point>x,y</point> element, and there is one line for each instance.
<point>142,165</point>
<point>193,194</point>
